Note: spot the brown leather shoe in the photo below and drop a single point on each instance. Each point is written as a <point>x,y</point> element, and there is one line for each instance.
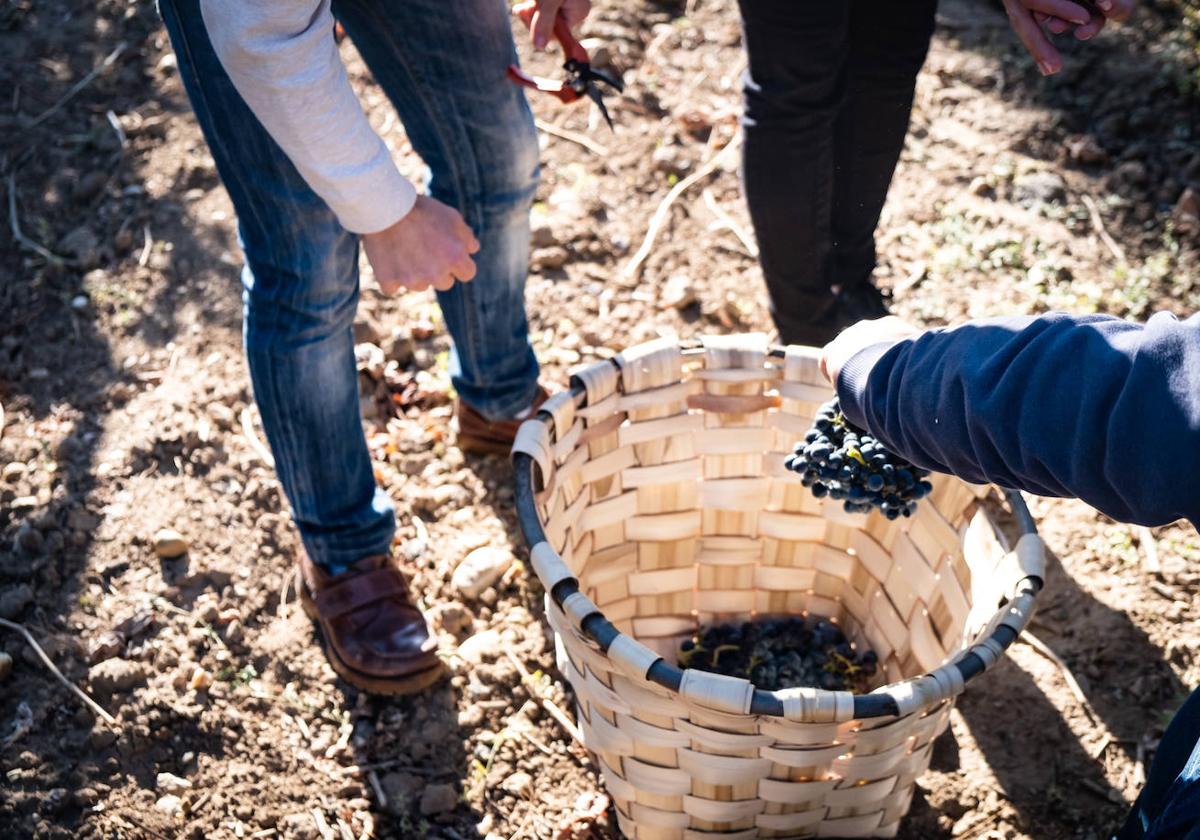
<point>373,636</point>
<point>480,436</point>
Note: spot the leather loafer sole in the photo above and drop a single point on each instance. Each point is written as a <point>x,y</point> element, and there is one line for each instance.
<point>413,683</point>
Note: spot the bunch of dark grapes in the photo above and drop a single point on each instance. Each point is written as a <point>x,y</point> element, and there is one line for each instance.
<point>841,461</point>
<point>781,653</point>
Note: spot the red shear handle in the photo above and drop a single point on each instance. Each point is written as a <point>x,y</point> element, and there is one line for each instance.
<point>572,49</point>
<point>556,89</point>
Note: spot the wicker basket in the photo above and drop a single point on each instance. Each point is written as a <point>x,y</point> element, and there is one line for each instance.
<point>655,500</point>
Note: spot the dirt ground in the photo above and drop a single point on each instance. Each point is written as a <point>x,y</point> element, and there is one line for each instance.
<point>127,410</point>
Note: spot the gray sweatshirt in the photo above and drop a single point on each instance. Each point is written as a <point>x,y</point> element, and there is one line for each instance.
<point>282,58</point>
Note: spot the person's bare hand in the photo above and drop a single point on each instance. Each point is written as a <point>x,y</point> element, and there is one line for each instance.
<point>431,246</point>
<point>860,336</point>
<point>1049,61</point>
<point>1027,16</point>
<point>542,25</point>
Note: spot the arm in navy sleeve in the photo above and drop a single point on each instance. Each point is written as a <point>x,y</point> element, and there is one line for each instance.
<point>1092,407</point>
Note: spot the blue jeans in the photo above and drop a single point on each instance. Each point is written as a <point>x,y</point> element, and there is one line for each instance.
<point>445,74</point>
<point>1168,808</point>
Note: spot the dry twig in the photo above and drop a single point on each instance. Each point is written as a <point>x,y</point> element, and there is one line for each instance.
<point>581,139</point>
<point>147,246</point>
<point>1098,223</point>
<point>322,825</point>
<point>728,222</point>
<point>396,764</point>
<point>14,224</point>
<point>380,796</point>
<point>536,691</point>
<point>292,578</point>
<point>78,86</point>
<point>78,692</point>
<point>660,215</point>
<point>255,443</point>
<point>1150,547</point>
<point>1072,683</point>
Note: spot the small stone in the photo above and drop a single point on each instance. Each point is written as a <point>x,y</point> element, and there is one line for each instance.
<point>14,600</point>
<point>167,64</point>
<point>115,675</point>
<point>398,347</point>
<point>101,739</point>
<point>201,680</point>
<point>543,237</point>
<point>29,538</point>
<point>86,797</point>
<point>401,788</point>
<point>451,617</point>
<point>1086,150</point>
<point>169,544</point>
<point>80,303</point>
<point>679,292</point>
<point>12,472</point>
<point>438,799</point>
<point>480,569</point>
<point>366,332</point>
<point>549,259</point>
<point>483,645</point>
<point>423,330</point>
<point>1039,187</point>
<point>170,783</point>
<point>22,503</point>
<point>518,783</point>
<point>90,185</point>
<point>107,645</point>
<point>423,358</point>
<point>369,359</point>
<point>1188,205</point>
<point>82,244</point>
<point>670,160</point>
<point>6,666</point>
<point>233,631</point>
<point>169,804</point>
<point>1131,173</point>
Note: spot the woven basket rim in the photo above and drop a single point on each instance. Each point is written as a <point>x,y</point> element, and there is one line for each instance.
<point>891,700</point>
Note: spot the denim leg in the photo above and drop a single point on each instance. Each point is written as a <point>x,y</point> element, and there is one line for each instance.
<point>1168,807</point>
<point>445,73</point>
<point>300,293</point>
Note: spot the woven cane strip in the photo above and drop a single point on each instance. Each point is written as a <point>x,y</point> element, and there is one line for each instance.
<point>666,497</point>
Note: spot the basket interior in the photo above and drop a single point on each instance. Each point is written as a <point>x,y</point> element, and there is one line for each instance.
<point>673,509</point>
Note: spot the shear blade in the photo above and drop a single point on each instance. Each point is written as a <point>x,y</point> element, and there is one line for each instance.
<point>594,94</point>
<point>608,79</point>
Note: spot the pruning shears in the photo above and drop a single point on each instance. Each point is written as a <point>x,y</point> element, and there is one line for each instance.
<point>581,79</point>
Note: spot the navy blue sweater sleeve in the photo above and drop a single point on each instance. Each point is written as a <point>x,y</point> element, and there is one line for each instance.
<point>1092,407</point>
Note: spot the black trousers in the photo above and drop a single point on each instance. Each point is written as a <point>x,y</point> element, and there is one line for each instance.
<point>828,95</point>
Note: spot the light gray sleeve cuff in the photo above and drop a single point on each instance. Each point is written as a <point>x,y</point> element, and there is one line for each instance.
<point>853,381</point>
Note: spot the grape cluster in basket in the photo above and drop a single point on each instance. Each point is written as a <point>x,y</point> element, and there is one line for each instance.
<point>840,460</point>
<point>781,653</point>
